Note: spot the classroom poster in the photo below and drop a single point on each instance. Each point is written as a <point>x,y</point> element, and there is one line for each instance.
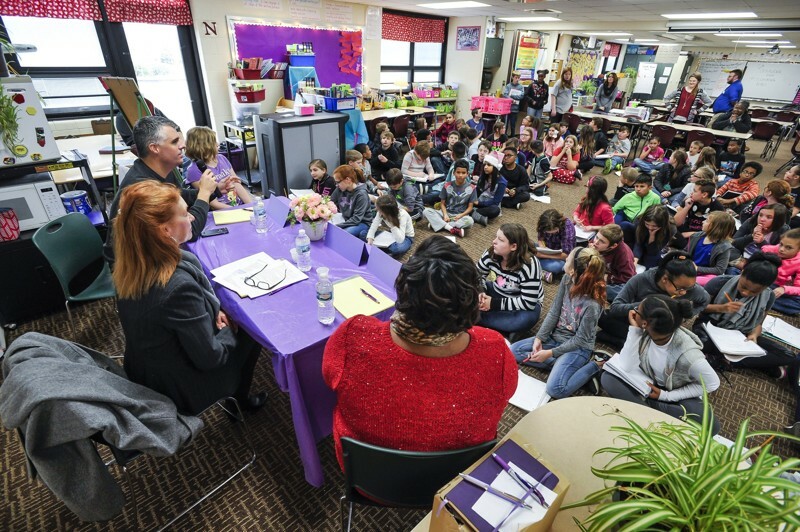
<point>646,78</point>
<point>583,64</point>
<point>338,13</point>
<point>305,9</point>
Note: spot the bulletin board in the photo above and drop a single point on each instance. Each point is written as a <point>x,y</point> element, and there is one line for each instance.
<point>583,64</point>
<point>338,50</point>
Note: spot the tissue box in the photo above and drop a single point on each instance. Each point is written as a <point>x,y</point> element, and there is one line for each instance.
<point>304,109</point>
<point>453,504</point>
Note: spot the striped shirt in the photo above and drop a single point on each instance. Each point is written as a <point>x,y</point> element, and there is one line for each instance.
<point>519,290</point>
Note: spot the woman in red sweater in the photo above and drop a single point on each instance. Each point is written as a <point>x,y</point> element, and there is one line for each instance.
<point>429,380</point>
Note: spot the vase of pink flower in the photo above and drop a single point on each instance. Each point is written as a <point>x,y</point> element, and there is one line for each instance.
<point>313,211</point>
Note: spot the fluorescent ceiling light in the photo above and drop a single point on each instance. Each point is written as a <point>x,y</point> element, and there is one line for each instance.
<point>453,5</point>
<point>767,46</point>
<point>709,16</point>
<point>748,34</point>
<point>608,34</point>
<point>529,19</point>
<point>764,42</point>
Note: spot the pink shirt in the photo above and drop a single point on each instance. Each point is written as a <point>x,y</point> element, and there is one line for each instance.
<point>602,215</point>
<point>655,155</point>
<point>788,273</point>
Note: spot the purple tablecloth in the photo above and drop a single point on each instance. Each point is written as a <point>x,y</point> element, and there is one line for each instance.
<point>286,324</point>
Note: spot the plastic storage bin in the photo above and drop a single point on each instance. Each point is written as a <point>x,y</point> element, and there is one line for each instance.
<point>250,96</point>
<point>498,106</point>
<point>247,73</point>
<point>302,60</point>
<point>478,102</point>
<point>340,104</point>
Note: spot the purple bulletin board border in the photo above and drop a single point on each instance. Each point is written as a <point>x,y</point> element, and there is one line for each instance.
<point>269,40</point>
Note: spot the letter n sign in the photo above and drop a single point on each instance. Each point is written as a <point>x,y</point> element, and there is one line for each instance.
<point>210,28</point>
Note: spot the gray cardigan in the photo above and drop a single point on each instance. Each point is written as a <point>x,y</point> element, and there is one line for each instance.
<point>59,394</point>
<point>644,284</point>
<point>581,335</point>
<point>720,255</point>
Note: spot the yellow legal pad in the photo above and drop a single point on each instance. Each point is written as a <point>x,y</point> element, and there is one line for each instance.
<point>231,216</point>
<point>349,300</point>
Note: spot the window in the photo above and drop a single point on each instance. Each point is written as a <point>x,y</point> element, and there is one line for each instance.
<point>417,62</point>
<point>65,70</point>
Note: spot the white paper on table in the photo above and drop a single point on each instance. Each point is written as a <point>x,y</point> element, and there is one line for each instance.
<point>531,393</point>
<point>384,239</point>
<point>232,275</point>
<point>337,219</point>
<point>543,199</point>
<point>493,509</point>
<point>778,328</point>
<point>297,192</point>
<point>584,234</point>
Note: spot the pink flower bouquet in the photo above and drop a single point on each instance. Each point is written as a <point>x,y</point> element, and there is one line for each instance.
<point>311,208</point>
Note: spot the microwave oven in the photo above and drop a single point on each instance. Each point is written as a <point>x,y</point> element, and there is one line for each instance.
<point>34,198</point>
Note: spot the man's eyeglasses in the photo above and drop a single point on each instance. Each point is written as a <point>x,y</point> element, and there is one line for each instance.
<point>263,285</point>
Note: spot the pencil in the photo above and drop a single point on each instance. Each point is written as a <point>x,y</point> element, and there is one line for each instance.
<point>729,297</point>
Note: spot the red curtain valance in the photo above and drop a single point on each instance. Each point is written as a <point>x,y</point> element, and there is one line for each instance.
<point>75,9</point>
<point>173,12</point>
<point>412,29</point>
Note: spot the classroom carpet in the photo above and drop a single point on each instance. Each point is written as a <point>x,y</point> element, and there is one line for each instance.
<point>273,494</point>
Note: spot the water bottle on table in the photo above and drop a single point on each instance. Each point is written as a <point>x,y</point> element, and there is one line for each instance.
<point>302,244</point>
<point>325,311</point>
<point>260,216</point>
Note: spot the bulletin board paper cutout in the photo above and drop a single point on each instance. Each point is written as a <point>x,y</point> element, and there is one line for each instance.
<point>583,64</point>
<point>261,38</point>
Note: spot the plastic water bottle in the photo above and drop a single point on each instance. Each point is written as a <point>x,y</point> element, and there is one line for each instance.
<point>260,216</point>
<point>325,311</point>
<point>303,246</point>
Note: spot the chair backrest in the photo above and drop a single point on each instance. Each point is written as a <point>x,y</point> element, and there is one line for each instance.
<point>374,122</point>
<point>706,137</point>
<point>400,126</point>
<point>786,116</point>
<point>70,244</point>
<point>759,113</point>
<point>765,130</point>
<point>795,149</point>
<point>666,134</point>
<point>574,122</point>
<point>403,478</point>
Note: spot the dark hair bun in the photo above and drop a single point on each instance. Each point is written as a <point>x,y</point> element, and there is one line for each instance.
<point>758,256</point>
<point>685,308</point>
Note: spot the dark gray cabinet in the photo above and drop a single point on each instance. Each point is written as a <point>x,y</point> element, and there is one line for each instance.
<point>493,53</point>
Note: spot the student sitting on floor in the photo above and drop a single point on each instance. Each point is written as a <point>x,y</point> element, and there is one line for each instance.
<point>672,177</point>
<point>787,285</point>
<point>552,141</point>
<point>513,293</point>
<point>476,122</point>
<point>653,234</point>
<point>380,127</point>
<point>670,355</point>
<point>652,157</point>
<point>690,217</point>
<point>632,205</point>
<point>484,148</point>
<point>740,303</point>
<point>497,138</point>
<point>557,233</point>
<point>593,211</point>
<point>539,170</point>
<point>406,194</point>
<point>396,220</point>
<point>694,153</point>
<point>456,199</point>
<point>730,160</point>
<point>775,191</point>
<point>711,248</point>
<point>385,156</point>
<point>459,153</point>
<point>491,188</point>
<point>565,340</point>
<point>620,267</point>
<point>352,200</point>
<point>417,162</point>
<point>703,173</point>
<point>707,157</point>
<point>764,229</point>
<point>565,160</point>
<point>618,148</point>
<point>473,141</point>
<point>738,191</point>
<point>517,190</point>
<point>627,178</point>
<point>448,126</point>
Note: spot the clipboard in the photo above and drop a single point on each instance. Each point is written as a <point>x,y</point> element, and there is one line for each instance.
<point>350,299</point>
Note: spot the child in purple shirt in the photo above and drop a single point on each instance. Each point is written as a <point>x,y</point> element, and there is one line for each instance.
<point>202,148</point>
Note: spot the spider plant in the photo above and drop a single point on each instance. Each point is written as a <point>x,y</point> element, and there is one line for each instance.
<point>9,125</point>
<point>677,477</point>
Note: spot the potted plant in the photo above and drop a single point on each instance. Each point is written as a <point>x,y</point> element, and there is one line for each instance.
<point>587,87</point>
<point>675,476</point>
<point>313,211</point>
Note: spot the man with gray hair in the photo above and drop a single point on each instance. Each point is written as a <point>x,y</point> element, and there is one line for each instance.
<point>160,145</point>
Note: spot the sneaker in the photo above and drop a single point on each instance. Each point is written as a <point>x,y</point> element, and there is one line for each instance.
<point>778,372</point>
<point>618,168</point>
<point>607,167</point>
<point>547,277</point>
<point>480,219</point>
<point>518,206</point>
<point>793,429</point>
<point>594,386</point>
<point>578,175</point>
<point>457,231</point>
<point>601,356</point>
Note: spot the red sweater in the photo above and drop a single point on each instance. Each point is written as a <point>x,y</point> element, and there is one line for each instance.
<point>602,215</point>
<point>396,399</point>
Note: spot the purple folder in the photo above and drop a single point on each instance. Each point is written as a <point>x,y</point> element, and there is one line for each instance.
<point>277,210</point>
<point>383,265</point>
<point>464,495</point>
<point>345,244</point>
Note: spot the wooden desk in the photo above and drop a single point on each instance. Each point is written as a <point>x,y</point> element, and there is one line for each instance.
<point>692,127</point>
<point>567,432</point>
<point>99,164</point>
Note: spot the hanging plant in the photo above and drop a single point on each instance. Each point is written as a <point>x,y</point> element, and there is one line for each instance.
<point>9,122</point>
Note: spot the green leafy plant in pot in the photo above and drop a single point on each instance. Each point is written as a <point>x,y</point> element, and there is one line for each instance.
<point>588,87</point>
<point>675,476</point>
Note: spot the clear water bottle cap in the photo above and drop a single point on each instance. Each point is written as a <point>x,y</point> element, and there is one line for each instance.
<point>302,232</point>
<point>322,272</point>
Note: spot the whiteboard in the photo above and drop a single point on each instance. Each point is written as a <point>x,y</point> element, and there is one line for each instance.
<point>715,74</point>
<point>771,81</point>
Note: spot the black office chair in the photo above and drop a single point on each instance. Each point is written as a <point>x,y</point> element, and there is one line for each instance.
<point>378,476</point>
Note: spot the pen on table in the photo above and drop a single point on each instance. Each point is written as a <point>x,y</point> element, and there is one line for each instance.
<point>534,488</point>
<point>373,298</point>
<point>527,486</point>
<point>278,290</point>
<point>494,491</point>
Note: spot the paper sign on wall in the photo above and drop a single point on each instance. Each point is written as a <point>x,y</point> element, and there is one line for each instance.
<point>646,78</point>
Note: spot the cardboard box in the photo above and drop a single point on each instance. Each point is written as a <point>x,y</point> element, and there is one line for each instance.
<point>452,505</point>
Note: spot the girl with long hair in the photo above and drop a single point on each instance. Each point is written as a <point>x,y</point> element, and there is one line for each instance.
<point>565,340</point>
<point>594,211</point>
<point>352,200</point>
<point>763,229</point>
<point>565,161</point>
<point>653,233</point>
<point>491,188</point>
<point>552,141</point>
<point>497,138</point>
<point>202,147</point>
<point>556,234</point>
<point>775,191</point>
<point>397,220</point>
<point>526,138</point>
<point>711,248</point>
<point>686,104</point>
<point>673,176</point>
<point>513,293</point>
<point>606,94</point>
<point>586,144</point>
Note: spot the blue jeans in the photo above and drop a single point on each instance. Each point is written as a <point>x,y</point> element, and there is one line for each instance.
<point>552,265</point>
<point>615,160</point>
<point>394,248</point>
<point>612,291</point>
<point>508,321</point>
<point>647,167</point>
<point>789,305</point>
<point>676,200</point>
<point>536,113</point>
<point>356,230</point>
<point>568,372</point>
<point>628,227</point>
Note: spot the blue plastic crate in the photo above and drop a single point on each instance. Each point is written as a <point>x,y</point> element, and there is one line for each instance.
<point>302,60</point>
<point>340,104</point>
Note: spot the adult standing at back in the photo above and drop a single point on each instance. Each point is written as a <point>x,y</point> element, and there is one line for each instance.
<point>686,104</point>
<point>537,93</point>
<point>606,94</point>
<point>514,90</point>
<point>729,97</point>
<point>561,96</point>
<point>161,145</point>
